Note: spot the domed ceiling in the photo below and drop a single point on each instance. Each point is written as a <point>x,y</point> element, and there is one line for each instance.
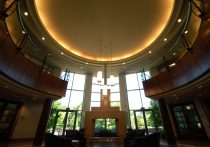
<point>82,36</point>
<point>104,30</point>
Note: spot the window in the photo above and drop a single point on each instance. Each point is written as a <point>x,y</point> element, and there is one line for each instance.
<point>136,96</point>
<point>96,93</point>
<point>115,93</point>
<point>69,107</point>
<point>74,93</point>
<point>187,121</point>
<point>135,91</point>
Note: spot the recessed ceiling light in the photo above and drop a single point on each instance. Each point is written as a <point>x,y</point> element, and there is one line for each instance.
<point>150,52</point>
<point>61,53</point>
<point>179,20</point>
<point>43,38</point>
<point>174,53</point>
<point>173,64</point>
<point>165,39</point>
<point>86,63</point>
<point>186,32</point>
<point>200,87</point>
<point>23,32</point>
<point>26,13</point>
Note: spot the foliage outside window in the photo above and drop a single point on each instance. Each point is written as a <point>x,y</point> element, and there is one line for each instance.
<point>138,101</point>
<point>71,104</point>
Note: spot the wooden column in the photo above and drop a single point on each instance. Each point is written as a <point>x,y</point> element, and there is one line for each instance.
<point>166,122</point>
<point>40,132</point>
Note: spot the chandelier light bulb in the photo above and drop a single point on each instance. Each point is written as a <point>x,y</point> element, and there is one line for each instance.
<point>99,76</point>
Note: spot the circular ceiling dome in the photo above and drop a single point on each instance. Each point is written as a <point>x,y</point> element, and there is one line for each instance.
<point>104,30</point>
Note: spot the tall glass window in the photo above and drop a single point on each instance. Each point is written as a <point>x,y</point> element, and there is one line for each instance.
<point>69,107</point>
<point>74,93</point>
<point>96,93</point>
<point>115,93</point>
<point>135,90</point>
<point>136,96</point>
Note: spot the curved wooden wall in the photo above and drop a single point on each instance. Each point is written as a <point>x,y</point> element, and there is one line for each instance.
<point>193,65</point>
<point>15,66</point>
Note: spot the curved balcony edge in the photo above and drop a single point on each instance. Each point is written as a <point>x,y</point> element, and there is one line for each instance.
<point>194,64</point>
<point>18,68</point>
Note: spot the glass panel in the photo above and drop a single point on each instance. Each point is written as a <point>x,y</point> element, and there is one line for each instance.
<point>95,97</point>
<point>95,104</point>
<point>150,122</point>
<point>6,119</point>
<point>115,96</point>
<point>115,88</point>
<point>140,80</point>
<point>76,100</point>
<point>11,106</point>
<point>70,82</point>
<point>51,121</point>
<point>145,100</point>
<point>96,88</point>
<point>99,125</point>
<point>70,121</point>
<point>133,126</point>
<point>111,124</point>
<point>132,82</point>
<point>134,100</point>
<point>59,124</point>
<point>78,121</point>
<point>140,120</point>
<point>65,100</point>
<point>79,82</point>
<point>115,104</point>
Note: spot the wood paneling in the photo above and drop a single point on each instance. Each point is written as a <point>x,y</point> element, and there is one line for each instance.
<point>14,65</point>
<point>192,65</point>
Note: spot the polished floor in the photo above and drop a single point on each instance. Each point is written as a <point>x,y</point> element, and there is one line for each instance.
<point>29,144</point>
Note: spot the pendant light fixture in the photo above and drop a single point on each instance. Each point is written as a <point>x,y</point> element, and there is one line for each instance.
<point>99,73</point>
<point>111,78</point>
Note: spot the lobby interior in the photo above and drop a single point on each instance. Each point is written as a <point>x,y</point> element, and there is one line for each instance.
<point>105,68</point>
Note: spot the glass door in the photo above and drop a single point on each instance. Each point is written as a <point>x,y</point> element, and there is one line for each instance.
<point>188,121</point>
<point>144,119</point>
<point>62,120</point>
<point>8,112</point>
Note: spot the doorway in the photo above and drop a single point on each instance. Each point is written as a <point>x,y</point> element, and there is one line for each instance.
<point>63,119</point>
<point>187,121</point>
<point>144,119</point>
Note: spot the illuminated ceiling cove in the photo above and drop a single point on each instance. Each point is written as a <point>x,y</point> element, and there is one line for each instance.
<point>126,27</point>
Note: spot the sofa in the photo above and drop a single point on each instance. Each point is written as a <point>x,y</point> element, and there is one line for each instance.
<point>151,140</point>
<point>52,140</point>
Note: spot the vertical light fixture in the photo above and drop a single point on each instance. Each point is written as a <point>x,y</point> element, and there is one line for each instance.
<point>99,73</point>
<point>105,87</point>
<point>111,78</point>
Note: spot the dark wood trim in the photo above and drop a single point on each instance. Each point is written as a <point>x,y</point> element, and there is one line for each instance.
<point>40,132</point>
<point>170,136</point>
<point>190,67</point>
<point>18,68</point>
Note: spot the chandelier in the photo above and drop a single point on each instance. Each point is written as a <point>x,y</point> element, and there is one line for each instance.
<point>105,86</point>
